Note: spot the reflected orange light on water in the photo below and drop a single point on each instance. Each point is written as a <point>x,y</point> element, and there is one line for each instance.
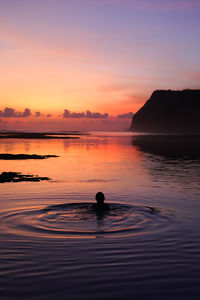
<point>86,163</point>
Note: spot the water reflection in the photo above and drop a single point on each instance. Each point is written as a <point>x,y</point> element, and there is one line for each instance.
<point>172,159</point>
<point>147,243</point>
<point>169,146</point>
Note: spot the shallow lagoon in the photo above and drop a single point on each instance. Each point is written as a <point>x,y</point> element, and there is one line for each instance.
<point>148,245</point>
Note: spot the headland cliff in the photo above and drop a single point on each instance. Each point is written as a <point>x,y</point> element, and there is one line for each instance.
<point>169,111</point>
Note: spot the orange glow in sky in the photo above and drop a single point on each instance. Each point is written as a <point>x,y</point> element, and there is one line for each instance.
<point>101,56</point>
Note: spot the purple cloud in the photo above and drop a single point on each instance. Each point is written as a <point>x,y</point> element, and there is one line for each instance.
<point>88,115</point>
<point>37,114</point>
<point>128,115</point>
<point>26,113</point>
<point>9,112</point>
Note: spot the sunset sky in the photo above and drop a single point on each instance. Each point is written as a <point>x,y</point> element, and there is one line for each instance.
<point>88,64</point>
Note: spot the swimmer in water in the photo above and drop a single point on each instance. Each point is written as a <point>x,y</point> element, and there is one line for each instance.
<point>100,205</point>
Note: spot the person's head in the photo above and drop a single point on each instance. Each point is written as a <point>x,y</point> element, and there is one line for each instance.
<point>100,198</point>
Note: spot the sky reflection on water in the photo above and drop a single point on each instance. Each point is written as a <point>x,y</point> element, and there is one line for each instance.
<point>149,250</point>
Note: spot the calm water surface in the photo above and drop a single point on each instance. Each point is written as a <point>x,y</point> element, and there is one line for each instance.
<point>54,246</point>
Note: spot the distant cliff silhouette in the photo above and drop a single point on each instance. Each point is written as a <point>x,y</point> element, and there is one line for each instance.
<point>169,111</point>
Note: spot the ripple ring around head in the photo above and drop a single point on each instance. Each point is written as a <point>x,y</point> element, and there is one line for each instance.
<point>79,220</point>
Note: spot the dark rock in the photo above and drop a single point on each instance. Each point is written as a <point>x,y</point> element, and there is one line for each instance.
<point>169,111</point>
<point>37,135</point>
<point>17,176</point>
<point>7,156</point>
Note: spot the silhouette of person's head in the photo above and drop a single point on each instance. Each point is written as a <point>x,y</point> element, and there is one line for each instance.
<point>100,198</point>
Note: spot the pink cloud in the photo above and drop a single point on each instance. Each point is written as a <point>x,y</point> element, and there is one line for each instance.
<point>19,38</point>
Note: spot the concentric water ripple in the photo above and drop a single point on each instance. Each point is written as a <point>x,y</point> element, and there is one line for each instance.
<point>81,220</point>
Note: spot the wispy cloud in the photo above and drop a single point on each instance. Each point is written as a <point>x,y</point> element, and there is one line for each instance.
<point>171,5</point>
<point>154,4</point>
<point>42,45</point>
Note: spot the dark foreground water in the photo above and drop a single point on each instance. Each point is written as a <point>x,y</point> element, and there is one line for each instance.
<point>53,245</point>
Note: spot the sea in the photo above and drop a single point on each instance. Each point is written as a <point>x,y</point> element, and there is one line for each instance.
<point>147,246</point>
